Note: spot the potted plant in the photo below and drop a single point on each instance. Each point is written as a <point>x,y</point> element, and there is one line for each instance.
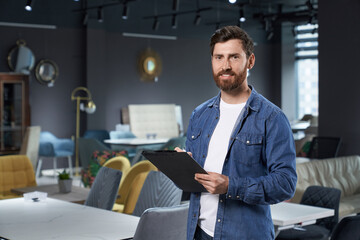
<point>64,181</point>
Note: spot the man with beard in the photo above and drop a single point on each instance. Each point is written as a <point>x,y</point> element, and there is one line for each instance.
<point>245,144</point>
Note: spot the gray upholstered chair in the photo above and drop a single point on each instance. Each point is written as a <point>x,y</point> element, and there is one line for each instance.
<point>158,191</point>
<point>347,229</point>
<point>104,190</point>
<point>317,196</point>
<point>163,223</point>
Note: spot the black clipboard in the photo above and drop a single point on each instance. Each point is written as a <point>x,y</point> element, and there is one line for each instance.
<point>180,167</point>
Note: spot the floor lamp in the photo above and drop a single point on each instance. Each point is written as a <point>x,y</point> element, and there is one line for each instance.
<point>81,95</point>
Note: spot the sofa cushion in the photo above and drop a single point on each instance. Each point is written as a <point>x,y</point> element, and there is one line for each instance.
<point>349,205</point>
<point>341,172</point>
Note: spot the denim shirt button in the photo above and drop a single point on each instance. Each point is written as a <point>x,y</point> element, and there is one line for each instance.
<point>193,137</point>
<point>219,220</point>
<point>247,141</point>
<point>229,196</point>
<point>221,200</point>
<point>238,197</point>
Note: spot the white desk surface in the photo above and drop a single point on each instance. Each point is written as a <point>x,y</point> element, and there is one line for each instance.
<point>56,219</point>
<point>136,141</point>
<point>287,214</point>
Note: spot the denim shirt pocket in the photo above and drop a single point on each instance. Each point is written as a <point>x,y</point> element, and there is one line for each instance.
<point>247,148</point>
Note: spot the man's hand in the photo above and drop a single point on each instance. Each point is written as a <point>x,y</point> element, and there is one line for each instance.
<point>180,150</point>
<point>214,183</point>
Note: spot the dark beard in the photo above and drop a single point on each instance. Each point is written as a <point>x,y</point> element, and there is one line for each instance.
<point>229,86</point>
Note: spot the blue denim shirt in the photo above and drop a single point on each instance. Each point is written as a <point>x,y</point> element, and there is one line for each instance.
<point>260,164</point>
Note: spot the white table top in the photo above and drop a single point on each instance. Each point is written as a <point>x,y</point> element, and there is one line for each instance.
<point>287,214</point>
<point>136,141</point>
<point>56,219</point>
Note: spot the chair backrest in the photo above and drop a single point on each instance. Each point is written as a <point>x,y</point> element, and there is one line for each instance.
<point>125,186</point>
<point>163,223</point>
<point>30,144</point>
<point>46,136</point>
<point>325,197</point>
<point>120,163</point>
<point>175,142</point>
<point>347,229</point>
<point>104,190</point>
<point>158,191</point>
<point>86,148</point>
<point>99,135</point>
<point>324,147</point>
<point>16,171</point>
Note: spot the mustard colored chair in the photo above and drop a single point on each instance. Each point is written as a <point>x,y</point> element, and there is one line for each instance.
<point>119,163</point>
<point>127,184</point>
<point>16,171</point>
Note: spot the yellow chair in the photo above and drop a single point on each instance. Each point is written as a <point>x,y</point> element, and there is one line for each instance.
<point>119,163</point>
<point>16,171</point>
<point>127,184</point>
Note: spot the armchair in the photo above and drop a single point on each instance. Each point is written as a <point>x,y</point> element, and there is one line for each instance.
<point>53,147</point>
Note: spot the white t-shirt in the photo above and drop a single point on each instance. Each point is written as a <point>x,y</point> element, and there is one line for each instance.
<point>214,162</point>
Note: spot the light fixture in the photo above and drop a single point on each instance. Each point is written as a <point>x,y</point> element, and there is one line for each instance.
<point>155,24</point>
<point>100,14</point>
<point>85,103</point>
<point>175,5</point>
<point>28,6</point>
<point>125,12</point>
<point>242,16</point>
<point>232,1</point>
<point>86,19</point>
<point>174,21</point>
<point>197,19</point>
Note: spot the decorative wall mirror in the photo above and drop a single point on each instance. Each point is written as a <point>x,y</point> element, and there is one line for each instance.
<point>149,66</point>
<point>46,72</point>
<point>21,59</point>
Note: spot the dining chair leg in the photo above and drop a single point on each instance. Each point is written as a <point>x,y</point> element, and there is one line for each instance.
<point>38,168</point>
<point>55,166</point>
<point>70,166</point>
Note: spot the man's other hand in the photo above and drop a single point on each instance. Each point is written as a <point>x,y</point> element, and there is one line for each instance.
<point>214,183</point>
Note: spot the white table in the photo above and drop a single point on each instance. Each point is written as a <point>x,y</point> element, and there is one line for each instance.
<point>289,215</point>
<point>56,219</point>
<point>135,142</point>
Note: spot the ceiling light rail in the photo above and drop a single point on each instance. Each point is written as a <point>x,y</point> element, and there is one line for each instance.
<point>178,13</point>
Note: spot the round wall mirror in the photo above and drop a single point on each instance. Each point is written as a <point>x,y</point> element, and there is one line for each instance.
<point>46,72</point>
<point>149,65</point>
<point>21,59</point>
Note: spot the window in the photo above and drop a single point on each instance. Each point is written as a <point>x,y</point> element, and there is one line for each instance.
<point>306,54</point>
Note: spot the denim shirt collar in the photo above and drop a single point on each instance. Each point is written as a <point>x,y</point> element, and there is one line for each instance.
<point>252,102</point>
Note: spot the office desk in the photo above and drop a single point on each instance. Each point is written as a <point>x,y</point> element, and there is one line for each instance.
<point>56,219</point>
<point>289,215</point>
<point>77,194</point>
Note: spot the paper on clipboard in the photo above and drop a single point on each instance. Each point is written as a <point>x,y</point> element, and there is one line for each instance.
<point>180,167</point>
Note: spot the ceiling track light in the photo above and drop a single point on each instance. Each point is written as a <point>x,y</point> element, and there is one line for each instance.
<point>175,6</point>
<point>232,1</point>
<point>125,12</point>
<point>28,6</point>
<point>197,19</point>
<point>174,21</point>
<point>242,16</point>
<point>100,14</point>
<point>156,24</point>
<point>86,19</point>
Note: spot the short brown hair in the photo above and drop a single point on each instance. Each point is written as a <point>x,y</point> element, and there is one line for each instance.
<point>232,32</point>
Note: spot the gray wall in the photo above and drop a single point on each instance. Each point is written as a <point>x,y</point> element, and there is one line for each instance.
<point>339,75</point>
<point>51,108</point>
<point>106,63</point>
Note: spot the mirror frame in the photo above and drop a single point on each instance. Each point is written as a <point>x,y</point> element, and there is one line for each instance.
<point>149,75</point>
<point>19,43</point>
<point>41,79</point>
